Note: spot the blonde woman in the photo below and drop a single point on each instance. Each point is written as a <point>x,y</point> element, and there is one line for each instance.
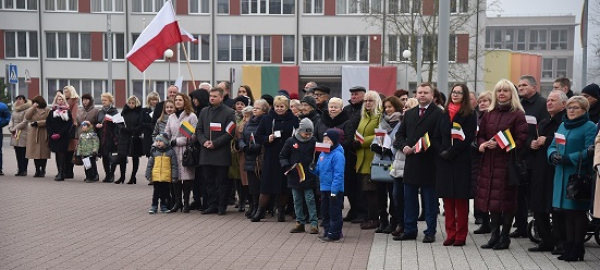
<point>365,133</point>
<point>495,193</point>
<point>148,122</point>
<point>105,129</point>
<point>129,141</point>
<point>58,124</point>
<point>72,100</point>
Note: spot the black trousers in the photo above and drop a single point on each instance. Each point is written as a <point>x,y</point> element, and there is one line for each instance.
<point>217,186</point>
<point>197,186</point>
<point>542,222</point>
<point>522,208</point>
<point>68,164</point>
<point>92,172</point>
<point>162,191</point>
<point>22,162</point>
<point>559,233</point>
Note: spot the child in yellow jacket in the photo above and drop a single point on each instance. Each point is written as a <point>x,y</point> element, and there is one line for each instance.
<point>162,170</point>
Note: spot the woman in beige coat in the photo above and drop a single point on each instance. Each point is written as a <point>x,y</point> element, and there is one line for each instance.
<point>18,129</point>
<point>37,137</point>
<point>596,192</point>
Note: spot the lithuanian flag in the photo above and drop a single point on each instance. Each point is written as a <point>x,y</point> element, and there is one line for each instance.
<point>423,143</point>
<point>505,140</point>
<point>270,79</point>
<point>186,129</point>
<point>457,132</point>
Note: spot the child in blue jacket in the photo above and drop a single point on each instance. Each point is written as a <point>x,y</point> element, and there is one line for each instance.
<point>330,169</point>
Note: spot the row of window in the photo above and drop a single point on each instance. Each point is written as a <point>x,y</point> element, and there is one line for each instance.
<point>527,39</point>
<point>247,6</point>
<point>230,48</point>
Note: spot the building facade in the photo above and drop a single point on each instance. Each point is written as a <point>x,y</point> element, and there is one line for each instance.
<point>65,42</point>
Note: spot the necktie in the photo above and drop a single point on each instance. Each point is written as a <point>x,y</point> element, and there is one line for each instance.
<point>422,111</point>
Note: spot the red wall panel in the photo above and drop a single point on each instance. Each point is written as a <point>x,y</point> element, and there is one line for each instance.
<point>97,46</point>
<point>84,6</point>
<point>276,54</point>
<point>462,48</point>
<point>375,49</point>
<point>120,93</point>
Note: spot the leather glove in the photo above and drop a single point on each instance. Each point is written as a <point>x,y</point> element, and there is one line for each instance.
<point>34,124</point>
<point>445,155</point>
<point>356,145</point>
<point>173,143</point>
<point>590,150</point>
<point>555,158</point>
<point>566,161</point>
<point>376,149</point>
<point>388,152</point>
<point>55,136</point>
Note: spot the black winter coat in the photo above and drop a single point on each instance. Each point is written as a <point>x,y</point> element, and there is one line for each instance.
<point>271,182</point>
<point>108,138</point>
<point>419,169</point>
<point>220,155</point>
<point>295,151</point>
<point>56,125</point>
<point>147,129</point>
<point>542,174</point>
<point>132,127</point>
<point>313,116</point>
<point>533,106</point>
<point>251,149</point>
<point>594,113</point>
<point>454,174</point>
<point>342,122</point>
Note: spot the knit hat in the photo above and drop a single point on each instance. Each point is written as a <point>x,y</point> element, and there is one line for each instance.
<point>306,126</point>
<point>592,90</point>
<point>333,135</point>
<point>268,98</point>
<point>243,99</point>
<point>310,101</point>
<point>293,95</point>
<point>283,92</point>
<point>358,88</point>
<point>164,137</point>
<point>322,88</point>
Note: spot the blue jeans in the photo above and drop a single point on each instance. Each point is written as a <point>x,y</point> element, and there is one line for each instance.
<point>300,196</point>
<point>331,210</point>
<point>411,208</point>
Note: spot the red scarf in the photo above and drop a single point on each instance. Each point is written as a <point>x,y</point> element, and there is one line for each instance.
<point>453,109</point>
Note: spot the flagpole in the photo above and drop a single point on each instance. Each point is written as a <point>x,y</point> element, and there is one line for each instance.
<point>144,73</point>
<point>187,60</point>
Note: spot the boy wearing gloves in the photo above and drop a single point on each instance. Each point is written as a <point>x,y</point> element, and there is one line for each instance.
<point>162,170</point>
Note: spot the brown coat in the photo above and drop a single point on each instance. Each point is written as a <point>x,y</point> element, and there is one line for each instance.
<point>37,137</point>
<point>596,202</point>
<point>494,191</point>
<point>86,114</point>
<point>18,127</point>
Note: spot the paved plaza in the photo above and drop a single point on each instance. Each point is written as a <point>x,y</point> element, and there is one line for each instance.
<point>73,225</point>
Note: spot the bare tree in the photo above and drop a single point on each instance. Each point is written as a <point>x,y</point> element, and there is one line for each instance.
<point>593,41</point>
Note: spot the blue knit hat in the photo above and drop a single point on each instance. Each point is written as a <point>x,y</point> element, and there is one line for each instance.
<point>333,135</point>
<point>163,137</point>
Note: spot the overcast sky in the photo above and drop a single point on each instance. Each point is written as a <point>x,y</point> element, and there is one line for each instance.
<point>553,7</point>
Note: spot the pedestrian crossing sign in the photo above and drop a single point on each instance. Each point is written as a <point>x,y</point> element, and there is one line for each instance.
<point>12,74</point>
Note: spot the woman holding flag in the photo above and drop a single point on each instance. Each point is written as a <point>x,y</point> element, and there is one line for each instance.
<point>502,129</point>
<point>568,149</point>
<point>129,142</point>
<point>181,128</point>
<point>106,132</point>
<point>453,137</point>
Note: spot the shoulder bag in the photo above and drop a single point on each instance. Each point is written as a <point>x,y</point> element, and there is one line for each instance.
<point>380,170</point>
<point>579,186</point>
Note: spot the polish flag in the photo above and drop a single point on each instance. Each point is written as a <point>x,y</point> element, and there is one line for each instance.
<point>230,128</point>
<point>186,36</point>
<point>215,126</point>
<point>560,138</point>
<point>322,147</point>
<point>380,132</point>
<point>359,137</point>
<point>162,33</point>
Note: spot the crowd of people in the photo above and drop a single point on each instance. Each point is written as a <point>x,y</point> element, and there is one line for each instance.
<point>511,150</point>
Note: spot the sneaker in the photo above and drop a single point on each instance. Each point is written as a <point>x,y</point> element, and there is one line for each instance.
<point>298,228</point>
<point>164,209</point>
<point>152,210</point>
<point>328,240</point>
<point>313,230</point>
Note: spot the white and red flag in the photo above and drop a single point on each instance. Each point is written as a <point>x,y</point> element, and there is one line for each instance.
<point>322,147</point>
<point>162,33</point>
<point>215,126</point>
<point>186,36</point>
<point>380,132</point>
<point>560,138</point>
<point>359,137</point>
<point>531,119</point>
<point>230,128</point>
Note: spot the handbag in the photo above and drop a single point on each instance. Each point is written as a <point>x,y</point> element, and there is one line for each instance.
<point>380,170</point>
<point>517,170</point>
<point>135,146</point>
<point>579,186</point>
<point>77,160</point>
<point>191,155</point>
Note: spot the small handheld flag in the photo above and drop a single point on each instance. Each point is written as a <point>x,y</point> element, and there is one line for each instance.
<point>301,173</point>
<point>359,137</point>
<point>423,143</point>
<point>186,129</point>
<point>290,169</point>
<point>380,132</point>
<point>457,132</point>
<point>505,140</point>
<point>560,138</point>
<point>215,126</point>
<point>531,119</point>
<point>322,147</point>
<point>230,127</point>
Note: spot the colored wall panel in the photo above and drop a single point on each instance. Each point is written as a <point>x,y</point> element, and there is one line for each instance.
<point>234,7</point>
<point>182,7</point>
<point>462,48</point>
<point>251,77</point>
<point>97,46</point>
<point>428,7</point>
<point>120,93</point>
<point>270,80</point>
<point>329,8</point>
<point>84,6</point>
<point>276,54</point>
<point>375,49</point>
<point>383,79</point>
<point>288,79</point>
<point>33,88</point>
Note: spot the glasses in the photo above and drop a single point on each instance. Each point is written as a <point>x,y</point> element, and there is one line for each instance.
<point>573,108</point>
<point>457,93</point>
<point>369,100</point>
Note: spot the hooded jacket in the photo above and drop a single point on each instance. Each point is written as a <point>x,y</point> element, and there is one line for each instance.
<point>162,165</point>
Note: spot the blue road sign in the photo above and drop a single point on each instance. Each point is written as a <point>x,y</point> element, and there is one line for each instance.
<point>12,74</point>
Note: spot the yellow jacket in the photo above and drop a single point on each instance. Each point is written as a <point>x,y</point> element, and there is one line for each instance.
<point>162,165</point>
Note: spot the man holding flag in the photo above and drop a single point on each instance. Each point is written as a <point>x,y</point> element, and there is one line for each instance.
<point>419,167</point>
<point>214,131</point>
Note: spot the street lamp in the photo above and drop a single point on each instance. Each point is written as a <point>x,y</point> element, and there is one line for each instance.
<point>168,55</point>
<point>407,54</point>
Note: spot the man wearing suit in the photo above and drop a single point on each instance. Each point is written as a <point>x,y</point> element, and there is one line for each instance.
<point>419,167</point>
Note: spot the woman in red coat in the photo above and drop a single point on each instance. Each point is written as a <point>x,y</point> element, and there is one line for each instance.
<point>494,190</point>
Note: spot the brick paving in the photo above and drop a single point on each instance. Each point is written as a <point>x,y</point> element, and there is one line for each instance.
<point>73,225</point>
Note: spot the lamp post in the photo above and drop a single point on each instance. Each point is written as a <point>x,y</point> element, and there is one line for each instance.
<point>168,55</point>
<point>407,54</point>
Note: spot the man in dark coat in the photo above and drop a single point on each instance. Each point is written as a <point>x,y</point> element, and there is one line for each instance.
<point>419,169</point>
<point>563,84</point>
<point>542,174</point>
<point>535,106</point>
<point>322,97</point>
<point>352,187</point>
<point>215,130</point>
<point>592,93</point>
<point>309,110</point>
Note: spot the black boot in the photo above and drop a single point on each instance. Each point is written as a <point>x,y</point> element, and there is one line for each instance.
<point>494,237</point>
<point>122,168</point>
<point>484,227</point>
<point>60,164</point>
<point>187,188</point>
<point>132,180</point>
<point>260,214</point>
<point>567,250</point>
<point>242,192</point>
<point>135,165</point>
<point>37,168</point>
<point>281,214</point>
<point>177,188</point>
<point>577,253</point>
<point>504,242</point>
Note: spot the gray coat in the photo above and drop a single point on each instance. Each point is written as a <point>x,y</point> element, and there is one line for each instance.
<point>18,127</point>
<point>220,155</point>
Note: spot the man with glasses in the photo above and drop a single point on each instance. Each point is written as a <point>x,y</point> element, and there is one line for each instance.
<point>592,93</point>
<point>321,95</point>
<point>535,106</point>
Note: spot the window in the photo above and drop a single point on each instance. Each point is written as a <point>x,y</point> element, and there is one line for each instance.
<point>148,6</point>
<point>430,45</point>
<point>107,6</point>
<point>21,44</point>
<point>237,48</point>
<point>558,39</point>
<point>459,6</point>
<point>335,48</point>
<point>404,6</point>
<point>561,68</point>
<point>268,7</point>
<point>358,7</point>
<point>497,41</point>
<point>199,7</point>
<point>19,4</point>
<point>92,87</point>
<point>118,46</point>
<point>547,68</point>
<point>197,51</point>
<point>61,5</point>
<point>62,45</point>
<point>537,40</point>
<point>397,45</point>
<point>289,49</point>
<point>509,39</point>
<point>521,40</point>
<point>223,6</point>
<point>313,6</point>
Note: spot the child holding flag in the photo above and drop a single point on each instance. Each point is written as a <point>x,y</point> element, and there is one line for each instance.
<point>330,169</point>
<point>295,157</point>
